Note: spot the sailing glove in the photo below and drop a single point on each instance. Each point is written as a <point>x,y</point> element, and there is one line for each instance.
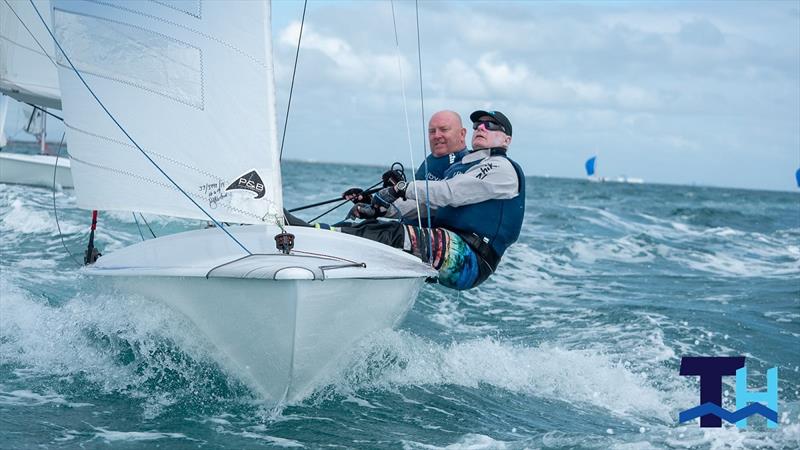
<point>365,211</point>
<point>392,176</point>
<point>357,195</point>
<point>388,195</point>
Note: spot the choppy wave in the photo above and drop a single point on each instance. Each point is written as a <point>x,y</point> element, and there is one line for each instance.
<point>396,359</point>
<point>581,330</point>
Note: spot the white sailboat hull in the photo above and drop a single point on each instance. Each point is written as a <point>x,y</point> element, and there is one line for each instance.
<point>278,322</point>
<point>281,337</point>
<point>34,170</point>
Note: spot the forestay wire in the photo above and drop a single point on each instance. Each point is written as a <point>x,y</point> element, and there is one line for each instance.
<point>405,107</point>
<point>130,138</point>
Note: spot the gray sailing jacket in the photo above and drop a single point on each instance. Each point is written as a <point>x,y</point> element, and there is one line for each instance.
<point>493,178</point>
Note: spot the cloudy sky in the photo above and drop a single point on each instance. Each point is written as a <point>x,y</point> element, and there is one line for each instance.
<point>673,92</point>
<point>681,92</point>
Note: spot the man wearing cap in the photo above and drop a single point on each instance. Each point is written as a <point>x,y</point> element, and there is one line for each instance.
<point>477,209</point>
<point>446,138</point>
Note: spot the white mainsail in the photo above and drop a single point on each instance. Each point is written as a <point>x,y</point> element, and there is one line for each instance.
<point>193,84</point>
<point>27,71</point>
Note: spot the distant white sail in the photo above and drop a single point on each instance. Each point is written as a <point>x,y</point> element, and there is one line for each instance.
<point>204,66</point>
<point>27,71</point>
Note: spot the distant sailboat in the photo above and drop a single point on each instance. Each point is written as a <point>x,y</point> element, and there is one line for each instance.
<point>590,166</point>
<point>28,75</point>
<point>797,177</point>
<point>278,318</point>
<point>591,173</point>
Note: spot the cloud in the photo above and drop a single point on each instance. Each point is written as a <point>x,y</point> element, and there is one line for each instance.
<point>342,61</point>
<point>636,77</point>
<point>701,32</point>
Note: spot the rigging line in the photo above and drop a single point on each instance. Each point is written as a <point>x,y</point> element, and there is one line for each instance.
<point>147,225</point>
<point>294,71</point>
<point>35,107</point>
<point>130,138</point>
<point>55,209</point>
<point>424,147</point>
<point>41,47</point>
<point>137,225</point>
<point>30,121</point>
<point>405,109</point>
<point>367,190</point>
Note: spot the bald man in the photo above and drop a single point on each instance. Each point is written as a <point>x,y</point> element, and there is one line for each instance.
<point>446,136</point>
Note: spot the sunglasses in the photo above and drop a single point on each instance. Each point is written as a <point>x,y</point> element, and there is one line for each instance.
<point>489,125</point>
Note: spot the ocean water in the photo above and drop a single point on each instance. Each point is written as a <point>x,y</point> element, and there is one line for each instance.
<point>574,343</point>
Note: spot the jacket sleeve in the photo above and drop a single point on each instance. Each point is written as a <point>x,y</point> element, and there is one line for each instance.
<point>492,178</point>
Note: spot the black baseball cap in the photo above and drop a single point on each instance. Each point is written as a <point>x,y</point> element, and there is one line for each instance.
<point>496,115</point>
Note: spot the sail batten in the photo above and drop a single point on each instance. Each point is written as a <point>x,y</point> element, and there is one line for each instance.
<point>201,112</point>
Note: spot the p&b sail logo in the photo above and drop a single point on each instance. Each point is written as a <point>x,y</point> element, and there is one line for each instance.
<point>249,182</point>
<point>711,369</point>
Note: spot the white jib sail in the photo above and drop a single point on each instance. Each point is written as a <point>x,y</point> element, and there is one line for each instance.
<point>27,71</point>
<point>192,83</point>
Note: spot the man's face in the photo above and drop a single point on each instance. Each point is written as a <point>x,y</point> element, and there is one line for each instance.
<point>445,134</point>
<point>483,138</point>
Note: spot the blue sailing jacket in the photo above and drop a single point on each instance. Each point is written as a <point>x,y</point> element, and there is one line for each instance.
<point>438,165</point>
<point>497,222</point>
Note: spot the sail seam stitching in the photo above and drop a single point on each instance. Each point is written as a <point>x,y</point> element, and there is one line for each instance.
<point>198,15</point>
<point>30,49</point>
<point>164,185</point>
<point>149,152</point>
<point>212,38</point>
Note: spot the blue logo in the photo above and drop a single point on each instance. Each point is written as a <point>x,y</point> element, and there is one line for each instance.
<point>711,369</point>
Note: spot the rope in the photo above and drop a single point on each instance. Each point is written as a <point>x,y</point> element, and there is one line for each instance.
<point>294,71</point>
<point>55,209</point>
<point>125,132</point>
<point>405,109</point>
<point>137,225</point>
<point>35,107</point>
<point>344,202</point>
<point>147,225</point>
<point>424,139</point>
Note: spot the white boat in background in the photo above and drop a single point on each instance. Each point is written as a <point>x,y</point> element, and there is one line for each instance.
<point>35,170</point>
<point>630,180</point>
<point>28,74</point>
<point>3,115</point>
<point>279,319</point>
<point>591,174</point>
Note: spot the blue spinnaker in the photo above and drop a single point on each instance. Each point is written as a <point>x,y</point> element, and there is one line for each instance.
<point>590,166</point>
<point>797,177</point>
